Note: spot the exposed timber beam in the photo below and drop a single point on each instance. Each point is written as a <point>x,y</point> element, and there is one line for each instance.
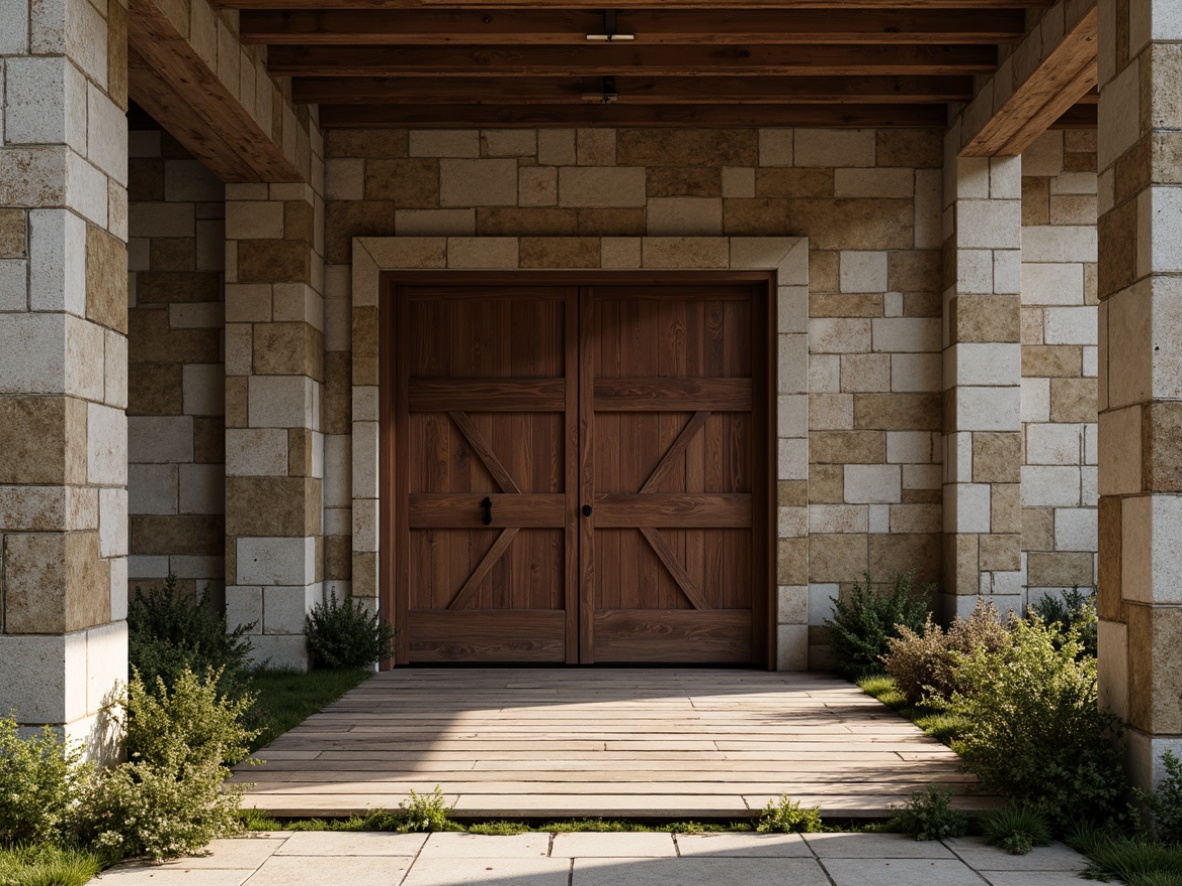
<point>1051,71</point>
<point>172,82</point>
<point>647,26</point>
<point>976,5</point>
<point>607,60</point>
<point>535,116</point>
<point>633,90</point>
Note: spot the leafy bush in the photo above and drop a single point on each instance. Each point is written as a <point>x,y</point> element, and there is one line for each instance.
<point>1165,803</point>
<point>1073,611</point>
<point>1033,727</point>
<point>786,816</point>
<point>347,635</point>
<point>169,631</point>
<point>425,812</point>
<point>863,623</point>
<point>168,800</point>
<point>930,816</point>
<point>1017,828</point>
<point>41,780</point>
<point>924,664</point>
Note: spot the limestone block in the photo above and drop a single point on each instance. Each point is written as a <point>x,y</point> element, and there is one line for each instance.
<point>106,134</point>
<point>619,252</point>
<point>792,647</point>
<point>915,372</point>
<point>1050,486</point>
<point>909,447</point>
<point>106,663</point>
<point>1059,243</point>
<point>684,252</point>
<point>832,147</point>
<point>1075,529</point>
<point>477,183</point>
<point>1150,568</point>
<point>839,336</point>
<point>967,508</point>
<point>281,651</point>
<point>775,148</point>
<point>286,608</point>
<point>483,253</point>
<point>152,488</point>
<point>792,306</point>
<point>276,561</point>
<point>537,186</point>
<point>202,489</point>
<point>1071,326</point>
<point>119,587</point>
<point>244,606</point>
<point>879,182</point>
<point>990,224</point>
<point>863,271</point>
<point>204,389</point>
<point>160,439</point>
<point>873,483</point>
<point>280,401</point>
<point>46,102</point>
<point>821,601</point>
<point>687,147</point>
<point>556,147</point>
<point>792,363</point>
<point>898,335</point>
<point>443,143</point>
<point>792,459</point>
<point>738,182</point>
<point>792,415</point>
<point>344,179</point>
<point>595,147</point>
<point>824,518</point>
<point>981,364</point>
<point>837,558</point>
<point>509,142</point>
<point>1044,158</point>
<point>831,411</point>
<point>684,216</point>
<point>1054,444</point>
<point>162,219</point>
<point>54,582</point>
<point>107,446</point>
<point>112,522</point>
<point>916,518</point>
<point>45,677</point>
<point>987,409</point>
<point>601,186</point>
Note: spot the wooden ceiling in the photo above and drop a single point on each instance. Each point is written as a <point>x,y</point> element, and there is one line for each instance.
<point>491,63</point>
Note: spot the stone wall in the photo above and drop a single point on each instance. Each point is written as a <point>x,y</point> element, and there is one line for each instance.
<point>1059,337</point>
<point>176,375</point>
<point>870,204</point>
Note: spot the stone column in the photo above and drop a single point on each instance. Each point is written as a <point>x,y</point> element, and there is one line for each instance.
<point>63,361</point>
<point>1140,364</point>
<point>982,379</point>
<point>274,444</point>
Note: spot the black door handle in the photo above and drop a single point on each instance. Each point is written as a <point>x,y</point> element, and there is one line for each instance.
<point>487,505</point>
<point>586,510</point>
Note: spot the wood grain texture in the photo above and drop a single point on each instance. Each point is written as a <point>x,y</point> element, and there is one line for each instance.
<point>648,26</point>
<point>481,448</point>
<point>676,451</point>
<point>459,511</point>
<point>473,637</point>
<point>674,510</point>
<point>684,580</point>
<point>702,395</point>
<point>487,395</point>
<point>483,568</point>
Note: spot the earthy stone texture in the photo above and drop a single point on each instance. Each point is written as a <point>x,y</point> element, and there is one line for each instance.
<point>378,144</point>
<point>412,183</point>
<point>997,457</point>
<point>155,389</point>
<point>893,554</point>
<point>191,535</point>
<point>786,181</point>
<point>346,220</point>
<point>837,557</point>
<point>912,412</point>
<point>55,583</point>
<point>273,261</point>
<point>683,182</point>
<point>572,252</point>
<point>1073,399</point>
<point>12,233</point>
<point>755,217</point>
<point>687,147</point>
<point>1161,447</point>
<point>910,148</point>
<point>985,318</point>
<point>847,447</point>
<point>42,440</point>
<point>288,349</point>
<point>272,507</point>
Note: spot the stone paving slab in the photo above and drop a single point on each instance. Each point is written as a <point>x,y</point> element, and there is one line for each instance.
<point>603,859</point>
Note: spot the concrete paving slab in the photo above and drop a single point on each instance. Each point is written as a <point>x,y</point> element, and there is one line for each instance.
<point>445,845</point>
<point>742,846</point>
<point>608,845</point>
<point>833,845</point>
<point>155,875</point>
<point>901,872</point>
<point>1036,878</point>
<point>489,872</point>
<point>355,870</point>
<point>698,872</point>
<point>238,854</point>
<point>980,856</point>
<point>347,843</point>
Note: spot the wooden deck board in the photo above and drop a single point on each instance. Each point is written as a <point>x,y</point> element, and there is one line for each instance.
<point>675,743</point>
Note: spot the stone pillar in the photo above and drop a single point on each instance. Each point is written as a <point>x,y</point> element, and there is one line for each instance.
<point>63,361</point>
<point>1140,364</point>
<point>274,444</point>
<point>982,379</point>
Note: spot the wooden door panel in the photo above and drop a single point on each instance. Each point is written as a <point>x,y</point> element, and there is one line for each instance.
<point>670,468</point>
<point>486,637</point>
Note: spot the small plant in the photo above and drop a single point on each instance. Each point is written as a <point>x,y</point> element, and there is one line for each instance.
<point>863,623</point>
<point>169,631</point>
<point>924,665</point>
<point>1034,730</point>
<point>1073,611</point>
<point>169,798</point>
<point>347,635</point>
<point>1137,861</point>
<point>426,812</point>
<point>786,816</point>
<point>930,816</point>
<point>41,780</point>
<point>498,828</point>
<point>1165,802</point>
<point>1017,828</point>
<point>45,864</point>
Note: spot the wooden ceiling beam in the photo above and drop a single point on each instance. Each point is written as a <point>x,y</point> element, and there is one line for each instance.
<point>619,60</point>
<point>674,5</point>
<point>1017,105</point>
<point>542,116</point>
<point>648,26</point>
<point>632,90</point>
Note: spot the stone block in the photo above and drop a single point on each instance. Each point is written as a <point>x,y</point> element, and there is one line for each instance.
<point>556,147</point>
<point>276,561</point>
<point>915,372</point>
<point>1073,400</point>
<point>756,218</point>
<point>793,182</point>
<point>600,186</point>
<point>55,583</point>
<point>1054,444</point>
<point>559,252</point>
<point>1059,569</point>
<point>837,558</point>
<point>685,252</point>
<point>202,489</point>
<point>537,186</point>
<point>160,440</point>
<point>691,181</point>
<point>997,457</point>
<point>113,523</point>
<point>792,647</point>
<point>280,401</point>
<point>42,440</point>
<point>900,412</point>
<point>684,216</point>
<point>273,506</point>
<point>846,447</point>
<point>832,147</point>
<point>204,389</point>
<point>153,489</point>
<point>45,677</point>
<point>830,519</point>
<point>863,271</point>
<point>687,147</point>
<point>478,183</point>
<point>839,336</point>
<point>892,554</point>
<point>285,609</point>
<point>273,261</point>
<point>826,484</point>
<point>443,143</point>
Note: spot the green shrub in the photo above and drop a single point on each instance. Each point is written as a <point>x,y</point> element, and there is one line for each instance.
<point>863,623</point>
<point>924,664</point>
<point>786,816</point>
<point>169,631</point>
<point>1073,611</point>
<point>1165,802</point>
<point>169,800</point>
<point>1137,861</point>
<point>45,864</point>
<point>1016,827</point>
<point>347,635</point>
<point>41,779</point>
<point>930,816</point>
<point>425,812</point>
<point>1033,728</point>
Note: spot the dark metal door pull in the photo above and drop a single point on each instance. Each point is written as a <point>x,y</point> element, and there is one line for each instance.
<point>487,505</point>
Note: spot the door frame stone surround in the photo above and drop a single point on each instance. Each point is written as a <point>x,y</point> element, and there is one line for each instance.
<point>787,257</point>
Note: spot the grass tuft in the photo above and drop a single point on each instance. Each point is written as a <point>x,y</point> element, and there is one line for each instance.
<point>498,828</point>
<point>47,865</point>
<point>287,698</point>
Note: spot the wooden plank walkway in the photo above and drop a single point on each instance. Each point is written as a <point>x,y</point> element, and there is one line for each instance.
<point>660,743</point>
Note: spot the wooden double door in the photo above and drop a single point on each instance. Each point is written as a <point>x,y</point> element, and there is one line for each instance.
<point>579,474</point>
